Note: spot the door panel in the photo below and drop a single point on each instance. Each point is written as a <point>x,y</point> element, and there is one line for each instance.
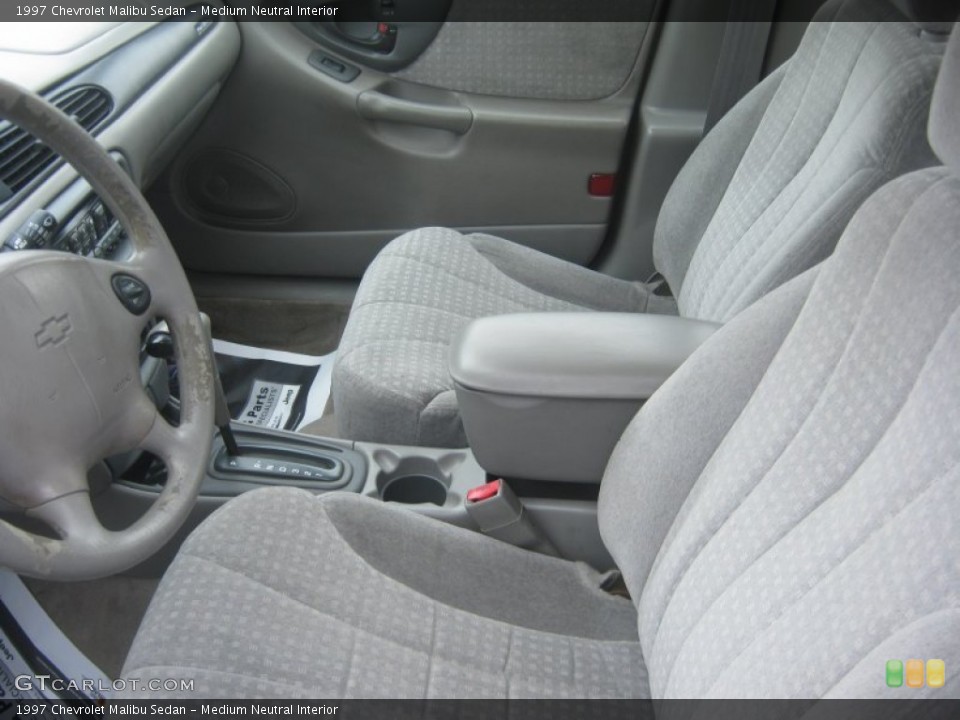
<point>540,60</point>
<point>490,129</point>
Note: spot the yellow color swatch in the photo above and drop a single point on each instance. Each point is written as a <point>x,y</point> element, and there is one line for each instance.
<point>936,673</point>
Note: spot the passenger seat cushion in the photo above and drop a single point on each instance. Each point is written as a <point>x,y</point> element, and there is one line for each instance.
<point>373,601</point>
<point>391,381</point>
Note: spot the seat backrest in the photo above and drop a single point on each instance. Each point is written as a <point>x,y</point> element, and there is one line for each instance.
<point>785,509</point>
<point>769,190</point>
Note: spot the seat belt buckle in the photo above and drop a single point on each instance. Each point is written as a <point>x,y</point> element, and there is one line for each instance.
<point>498,512</point>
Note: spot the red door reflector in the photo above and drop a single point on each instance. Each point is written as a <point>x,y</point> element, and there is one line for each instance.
<point>602,184</point>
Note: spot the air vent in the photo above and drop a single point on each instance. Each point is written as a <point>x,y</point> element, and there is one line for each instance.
<point>23,158</point>
<point>88,105</point>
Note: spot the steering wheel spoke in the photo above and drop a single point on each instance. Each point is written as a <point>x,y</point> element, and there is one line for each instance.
<point>163,440</point>
<point>71,517</point>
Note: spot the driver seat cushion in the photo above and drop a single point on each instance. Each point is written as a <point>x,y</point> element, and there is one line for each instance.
<point>373,601</point>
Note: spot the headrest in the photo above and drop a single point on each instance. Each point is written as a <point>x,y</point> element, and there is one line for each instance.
<point>933,16</point>
<point>944,128</point>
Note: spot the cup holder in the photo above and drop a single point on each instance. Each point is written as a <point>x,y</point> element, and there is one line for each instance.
<point>414,489</point>
<point>415,480</point>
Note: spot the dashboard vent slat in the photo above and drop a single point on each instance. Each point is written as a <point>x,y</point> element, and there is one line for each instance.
<point>13,143</point>
<point>87,104</point>
<point>23,158</point>
<point>21,165</point>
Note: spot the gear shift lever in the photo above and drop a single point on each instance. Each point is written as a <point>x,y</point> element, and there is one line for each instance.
<point>160,345</point>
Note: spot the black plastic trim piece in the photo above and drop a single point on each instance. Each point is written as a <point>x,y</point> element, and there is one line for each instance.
<point>337,69</point>
<point>132,293</point>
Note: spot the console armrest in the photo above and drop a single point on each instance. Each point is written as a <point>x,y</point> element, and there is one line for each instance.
<point>546,396</point>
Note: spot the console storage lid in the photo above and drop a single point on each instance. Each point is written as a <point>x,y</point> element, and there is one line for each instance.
<point>546,396</point>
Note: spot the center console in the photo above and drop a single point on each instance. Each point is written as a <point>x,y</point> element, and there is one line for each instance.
<point>544,399</point>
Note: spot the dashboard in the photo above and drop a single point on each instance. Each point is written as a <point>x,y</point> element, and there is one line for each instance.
<point>91,231</point>
<point>141,89</point>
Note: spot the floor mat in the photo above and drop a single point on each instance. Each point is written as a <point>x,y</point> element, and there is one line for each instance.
<point>74,634</point>
<point>100,617</point>
<point>273,388</point>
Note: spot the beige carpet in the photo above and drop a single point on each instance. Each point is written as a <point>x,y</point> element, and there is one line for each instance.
<point>306,327</point>
<point>100,617</point>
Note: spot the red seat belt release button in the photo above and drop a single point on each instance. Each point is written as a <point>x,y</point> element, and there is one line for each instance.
<point>484,492</point>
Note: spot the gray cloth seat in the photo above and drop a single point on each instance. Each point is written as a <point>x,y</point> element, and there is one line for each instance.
<point>783,511</point>
<point>363,606</point>
<point>763,198</point>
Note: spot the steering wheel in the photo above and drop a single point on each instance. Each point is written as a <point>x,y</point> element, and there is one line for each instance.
<point>70,390</point>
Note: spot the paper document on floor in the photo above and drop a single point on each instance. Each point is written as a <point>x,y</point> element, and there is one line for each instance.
<point>37,661</point>
<point>272,388</point>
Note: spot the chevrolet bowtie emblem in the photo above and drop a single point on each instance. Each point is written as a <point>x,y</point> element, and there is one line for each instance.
<point>53,331</point>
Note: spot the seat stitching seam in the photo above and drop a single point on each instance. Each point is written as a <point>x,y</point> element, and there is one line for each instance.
<point>813,172</point>
<point>780,141</point>
<point>854,200</point>
<point>884,168</point>
<point>713,279</point>
<point>783,276</point>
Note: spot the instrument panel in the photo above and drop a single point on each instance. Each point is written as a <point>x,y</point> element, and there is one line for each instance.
<point>91,231</point>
